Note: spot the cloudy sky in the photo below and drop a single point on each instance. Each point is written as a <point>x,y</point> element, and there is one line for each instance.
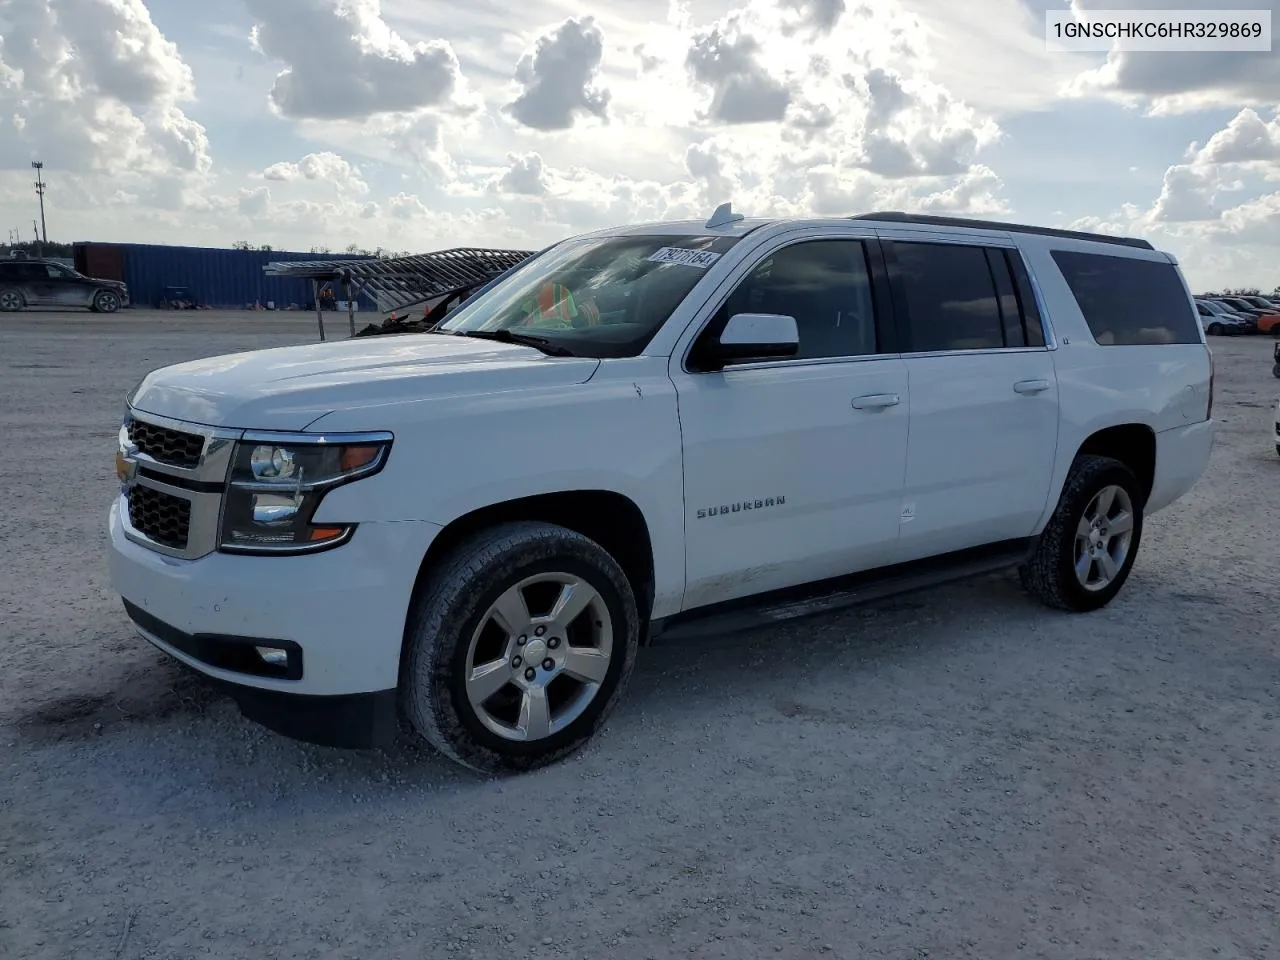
<point>422,124</point>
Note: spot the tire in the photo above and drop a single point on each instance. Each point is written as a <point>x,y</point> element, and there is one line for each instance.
<point>453,626</point>
<point>1275,331</point>
<point>1275,370</point>
<point>1215,330</point>
<point>106,301</point>
<point>1050,575</point>
<point>11,300</point>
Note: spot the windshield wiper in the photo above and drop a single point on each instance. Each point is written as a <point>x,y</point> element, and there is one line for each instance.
<point>527,339</point>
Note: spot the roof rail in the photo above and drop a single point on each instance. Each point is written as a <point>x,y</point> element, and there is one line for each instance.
<point>924,219</point>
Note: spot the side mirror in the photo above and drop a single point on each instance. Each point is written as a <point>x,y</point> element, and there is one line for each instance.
<point>751,336</point>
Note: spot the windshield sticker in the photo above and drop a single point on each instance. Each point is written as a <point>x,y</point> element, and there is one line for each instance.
<point>688,258</point>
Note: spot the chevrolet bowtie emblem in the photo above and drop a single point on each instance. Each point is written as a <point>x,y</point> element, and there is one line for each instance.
<point>126,465</point>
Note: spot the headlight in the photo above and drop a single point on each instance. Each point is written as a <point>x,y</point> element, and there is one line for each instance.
<point>277,482</point>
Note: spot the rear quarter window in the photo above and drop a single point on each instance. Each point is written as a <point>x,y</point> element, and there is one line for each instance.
<point>1127,301</point>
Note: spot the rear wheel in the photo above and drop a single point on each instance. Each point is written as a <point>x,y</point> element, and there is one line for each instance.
<point>1088,548</point>
<point>519,646</point>
<point>106,301</point>
<point>11,300</point>
<point>1275,331</point>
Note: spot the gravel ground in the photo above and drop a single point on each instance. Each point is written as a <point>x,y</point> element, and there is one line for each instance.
<point>959,775</point>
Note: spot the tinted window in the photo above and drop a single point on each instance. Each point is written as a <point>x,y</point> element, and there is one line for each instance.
<point>951,296</point>
<point>825,285</point>
<point>27,271</point>
<point>1129,301</point>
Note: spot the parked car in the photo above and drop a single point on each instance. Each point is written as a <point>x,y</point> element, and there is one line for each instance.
<point>1249,317</point>
<point>1221,322</point>
<point>33,282</point>
<point>650,431</point>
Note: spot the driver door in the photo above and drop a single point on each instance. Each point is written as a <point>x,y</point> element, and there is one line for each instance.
<point>793,468</point>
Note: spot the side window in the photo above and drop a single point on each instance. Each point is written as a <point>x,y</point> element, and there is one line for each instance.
<point>825,285</point>
<point>952,297</point>
<point>1127,300</point>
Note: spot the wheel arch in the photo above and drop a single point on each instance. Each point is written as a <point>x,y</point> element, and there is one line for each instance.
<point>611,519</point>
<point>1133,444</point>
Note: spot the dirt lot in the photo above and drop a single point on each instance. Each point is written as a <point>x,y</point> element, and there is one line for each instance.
<point>958,775</point>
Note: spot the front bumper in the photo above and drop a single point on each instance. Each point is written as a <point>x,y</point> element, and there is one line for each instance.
<point>340,615</point>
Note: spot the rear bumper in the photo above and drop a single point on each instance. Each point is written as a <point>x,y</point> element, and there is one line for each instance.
<point>1182,455</point>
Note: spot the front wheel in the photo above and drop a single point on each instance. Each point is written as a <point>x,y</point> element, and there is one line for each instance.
<point>1275,370</point>
<point>1215,330</point>
<point>1087,549</point>
<point>106,301</point>
<point>1275,331</point>
<point>520,644</point>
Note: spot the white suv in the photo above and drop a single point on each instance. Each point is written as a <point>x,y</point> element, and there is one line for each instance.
<point>474,529</point>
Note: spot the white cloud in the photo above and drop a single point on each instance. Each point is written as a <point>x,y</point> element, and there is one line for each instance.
<point>524,177</point>
<point>342,61</point>
<point>1182,82</point>
<point>325,167</point>
<point>92,85</point>
<point>558,78</point>
<point>728,61</point>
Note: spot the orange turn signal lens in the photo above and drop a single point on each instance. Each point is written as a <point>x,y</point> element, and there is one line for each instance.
<point>320,534</point>
<point>353,458</point>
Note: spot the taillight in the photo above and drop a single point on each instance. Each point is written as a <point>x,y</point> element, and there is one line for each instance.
<point>1208,415</point>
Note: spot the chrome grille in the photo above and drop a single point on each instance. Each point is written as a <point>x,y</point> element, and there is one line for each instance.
<point>166,445</point>
<point>160,517</point>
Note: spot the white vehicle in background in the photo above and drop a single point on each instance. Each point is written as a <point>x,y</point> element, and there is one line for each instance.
<point>1218,321</point>
<point>641,430</point>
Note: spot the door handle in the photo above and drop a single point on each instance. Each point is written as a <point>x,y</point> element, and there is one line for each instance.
<point>1031,386</point>
<point>875,401</point>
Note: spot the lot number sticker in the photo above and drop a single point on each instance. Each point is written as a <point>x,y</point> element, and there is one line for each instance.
<point>688,258</point>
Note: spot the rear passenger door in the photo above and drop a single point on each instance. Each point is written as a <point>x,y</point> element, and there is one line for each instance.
<point>984,397</point>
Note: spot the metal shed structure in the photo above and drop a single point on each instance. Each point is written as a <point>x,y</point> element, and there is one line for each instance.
<point>400,282</point>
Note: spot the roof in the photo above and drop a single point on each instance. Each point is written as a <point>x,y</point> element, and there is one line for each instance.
<point>403,281</point>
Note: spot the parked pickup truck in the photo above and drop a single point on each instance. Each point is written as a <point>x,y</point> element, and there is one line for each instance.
<point>469,532</point>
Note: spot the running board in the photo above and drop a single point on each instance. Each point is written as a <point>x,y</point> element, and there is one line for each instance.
<point>827,596</point>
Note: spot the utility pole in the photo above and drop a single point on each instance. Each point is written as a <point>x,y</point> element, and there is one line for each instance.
<point>38,166</point>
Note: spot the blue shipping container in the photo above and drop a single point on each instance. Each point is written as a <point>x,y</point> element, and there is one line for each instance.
<point>216,277</point>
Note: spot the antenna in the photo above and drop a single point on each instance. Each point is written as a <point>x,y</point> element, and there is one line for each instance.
<point>723,216</point>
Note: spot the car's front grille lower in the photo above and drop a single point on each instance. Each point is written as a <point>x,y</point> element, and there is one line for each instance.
<point>160,517</point>
<point>166,445</point>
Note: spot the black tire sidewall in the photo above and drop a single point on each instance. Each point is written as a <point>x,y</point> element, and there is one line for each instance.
<point>1101,473</point>
<point>465,605</point>
<point>1214,330</point>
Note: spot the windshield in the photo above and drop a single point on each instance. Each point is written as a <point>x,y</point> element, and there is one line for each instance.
<point>603,297</point>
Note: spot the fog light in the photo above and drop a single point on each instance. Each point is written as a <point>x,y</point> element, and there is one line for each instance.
<point>270,508</point>
<point>274,656</point>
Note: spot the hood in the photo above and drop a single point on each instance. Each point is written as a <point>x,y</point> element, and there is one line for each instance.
<point>287,388</point>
